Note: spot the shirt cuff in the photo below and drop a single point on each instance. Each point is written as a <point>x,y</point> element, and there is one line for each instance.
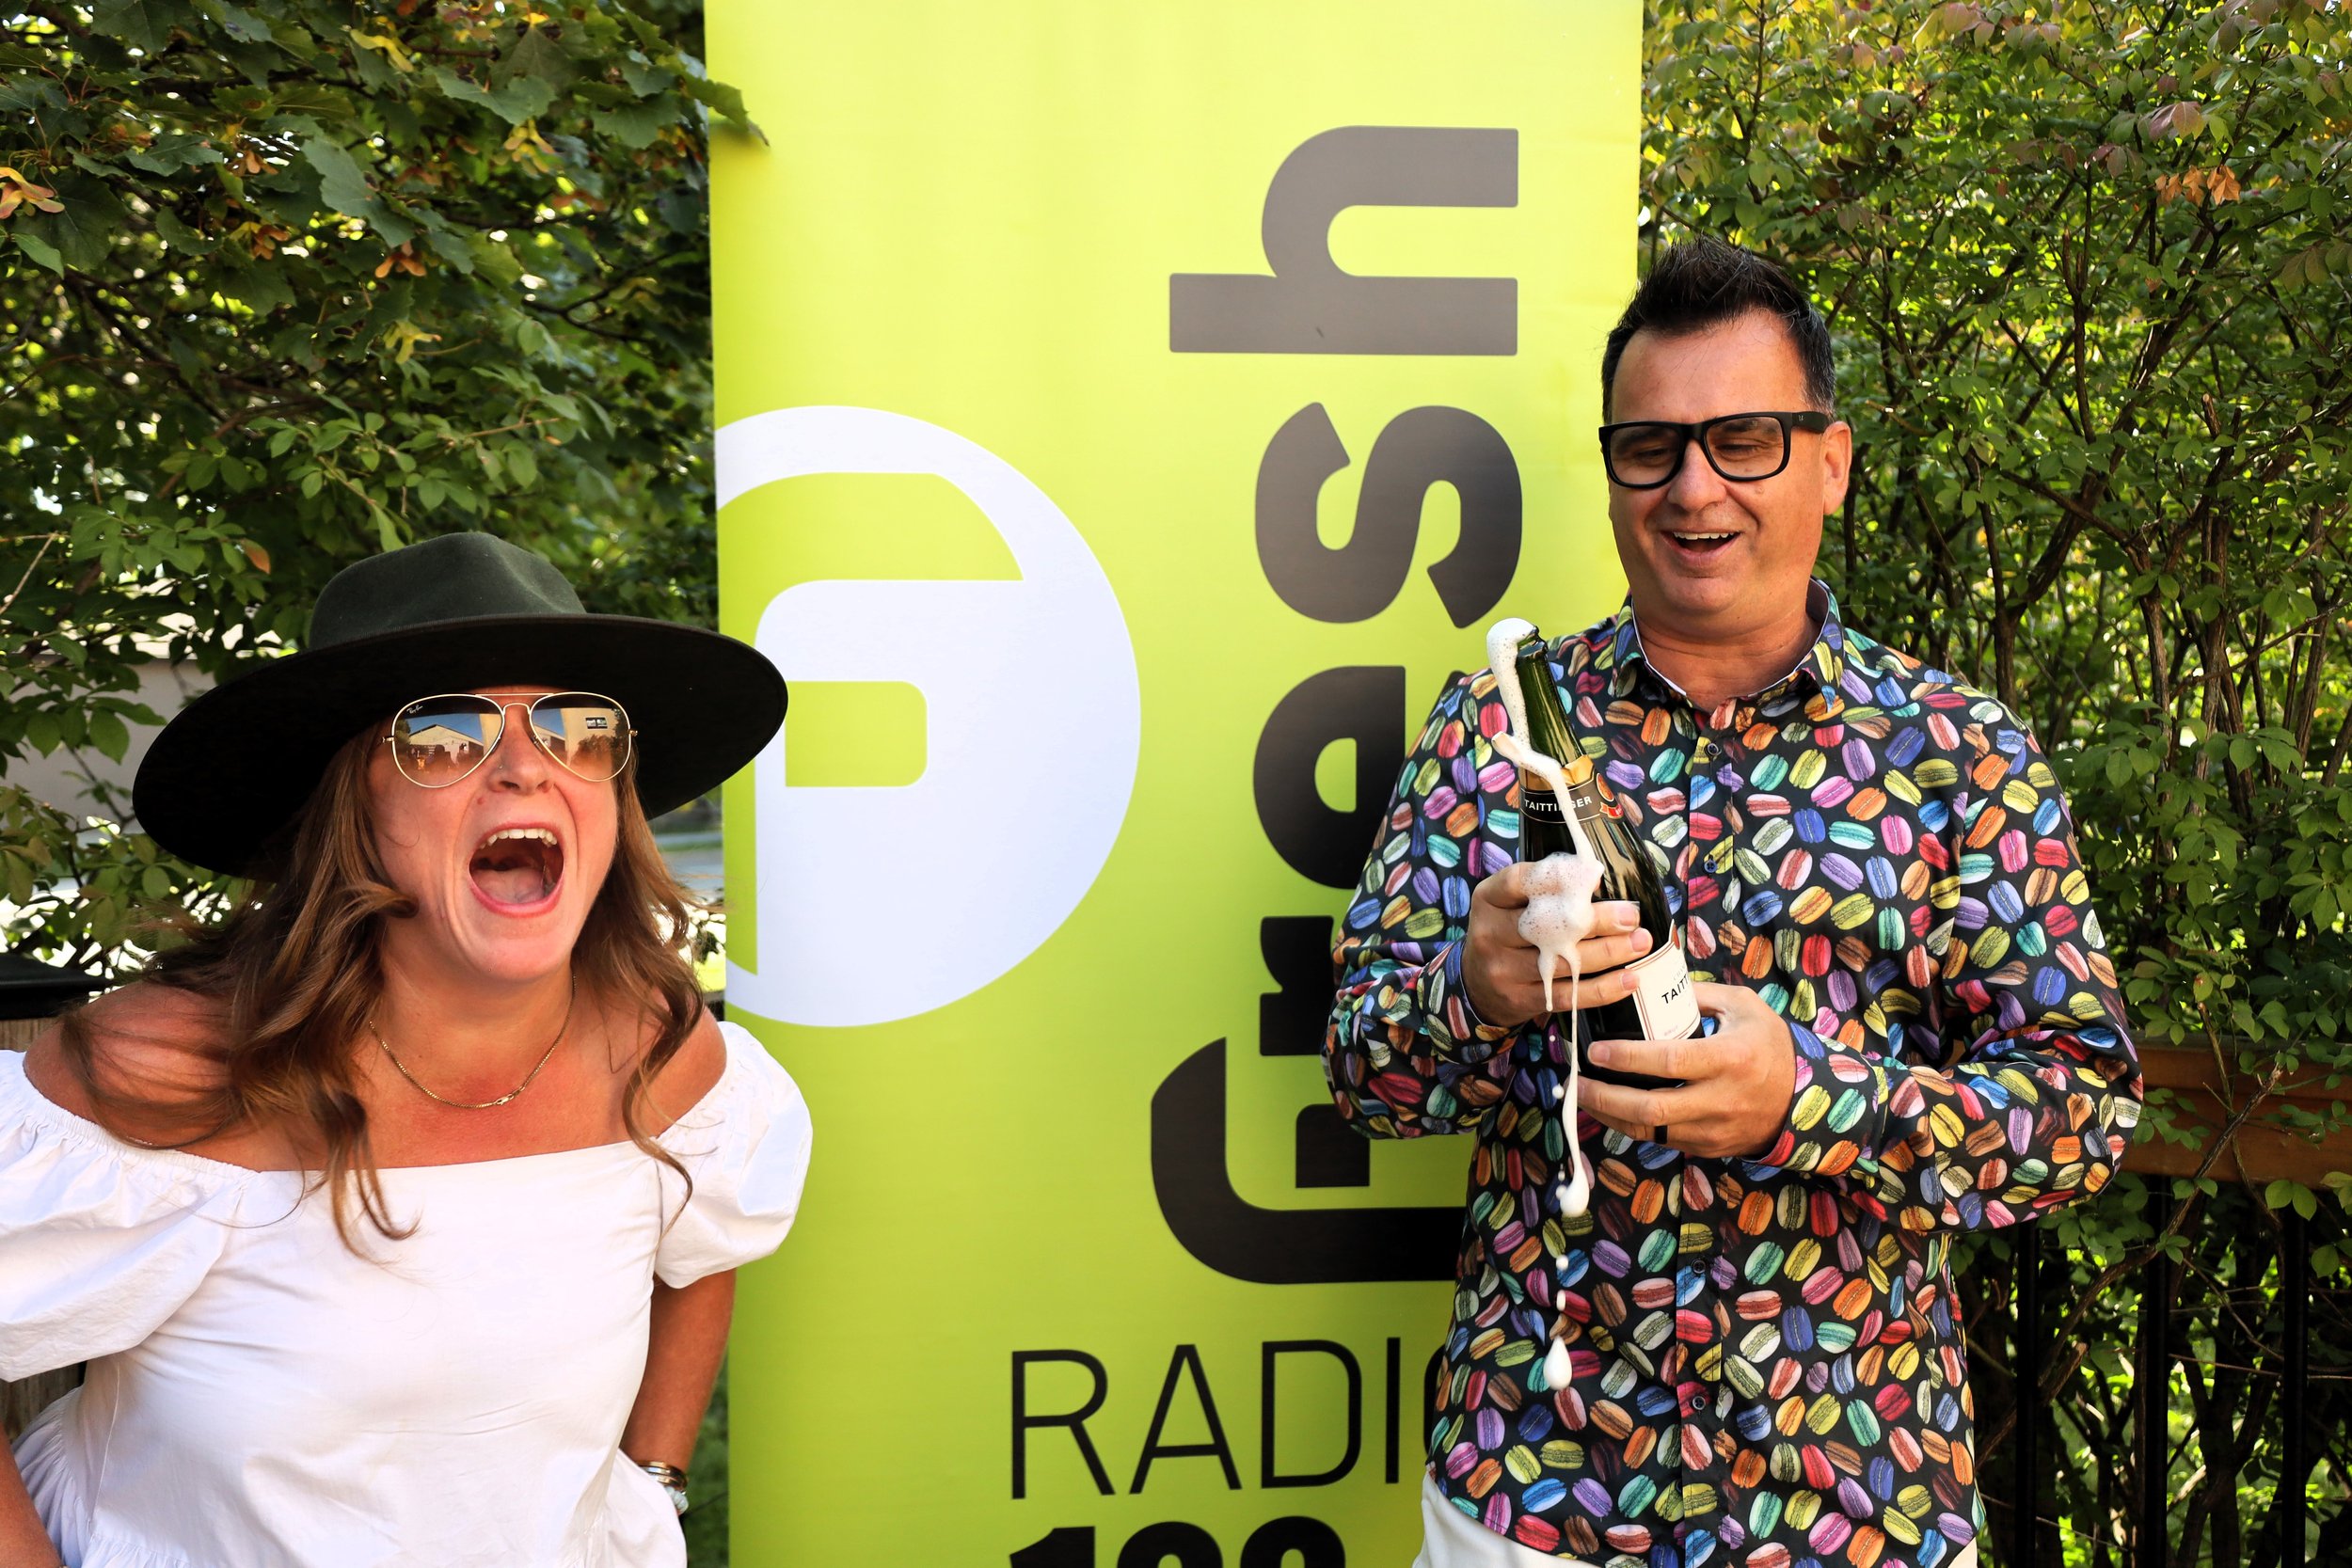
<point>1451,1022</point>
<point>1836,1109</point>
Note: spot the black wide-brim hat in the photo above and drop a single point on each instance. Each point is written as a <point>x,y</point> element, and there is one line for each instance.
<point>230,772</point>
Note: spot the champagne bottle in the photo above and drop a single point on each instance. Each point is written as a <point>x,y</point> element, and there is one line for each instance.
<point>1663,1005</point>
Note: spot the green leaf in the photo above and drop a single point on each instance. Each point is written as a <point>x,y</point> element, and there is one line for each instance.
<point>376,73</point>
<point>237,23</point>
<point>41,250</point>
<point>310,102</point>
<point>172,152</point>
<point>83,232</point>
<point>682,210</point>
<point>457,250</point>
<point>645,78</point>
<point>140,24</point>
<point>496,261</point>
<point>28,95</point>
<point>726,98</point>
<point>637,125</point>
<point>109,733</point>
<point>178,236</point>
<point>517,99</point>
<point>538,56</point>
<point>260,286</point>
<point>341,183</point>
<point>343,187</point>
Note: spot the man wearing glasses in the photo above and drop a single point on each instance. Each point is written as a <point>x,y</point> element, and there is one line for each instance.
<point>1914,1026</point>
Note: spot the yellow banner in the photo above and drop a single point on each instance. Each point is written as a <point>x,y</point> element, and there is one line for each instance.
<point>1129,416</point>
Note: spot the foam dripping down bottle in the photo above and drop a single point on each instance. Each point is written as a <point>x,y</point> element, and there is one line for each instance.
<point>1590,820</point>
<point>1572,826</point>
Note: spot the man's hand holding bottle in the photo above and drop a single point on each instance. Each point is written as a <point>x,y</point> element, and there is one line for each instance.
<point>1736,1082</point>
<point>1500,968</point>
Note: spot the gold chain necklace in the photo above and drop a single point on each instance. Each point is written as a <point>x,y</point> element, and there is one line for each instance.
<point>486,1105</point>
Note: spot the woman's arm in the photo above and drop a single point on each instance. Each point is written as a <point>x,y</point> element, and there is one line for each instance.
<point>23,1542</point>
<point>688,1338</point>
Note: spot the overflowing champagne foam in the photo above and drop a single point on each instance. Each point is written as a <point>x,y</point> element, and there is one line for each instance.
<point>1558,916</point>
<point>1503,656</point>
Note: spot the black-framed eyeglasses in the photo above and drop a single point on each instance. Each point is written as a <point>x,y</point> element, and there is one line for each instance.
<point>1644,455</point>
<point>438,740</point>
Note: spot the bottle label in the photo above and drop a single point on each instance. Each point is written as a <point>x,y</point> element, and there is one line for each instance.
<point>1663,995</point>
<point>1592,799</point>
<point>1539,805</point>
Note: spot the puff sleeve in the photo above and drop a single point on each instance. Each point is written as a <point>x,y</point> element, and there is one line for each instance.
<point>746,1147</point>
<point>100,1240</point>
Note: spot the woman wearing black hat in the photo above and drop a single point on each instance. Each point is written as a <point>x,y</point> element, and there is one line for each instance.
<point>395,1216</point>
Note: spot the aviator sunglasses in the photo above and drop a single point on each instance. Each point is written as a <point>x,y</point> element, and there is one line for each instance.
<point>438,740</point>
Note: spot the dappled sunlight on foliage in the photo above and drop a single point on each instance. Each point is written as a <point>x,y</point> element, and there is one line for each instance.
<point>288,284</point>
<point>2089,274</point>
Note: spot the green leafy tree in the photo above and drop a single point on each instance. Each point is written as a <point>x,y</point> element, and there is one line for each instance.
<point>2086,264</point>
<point>287,283</point>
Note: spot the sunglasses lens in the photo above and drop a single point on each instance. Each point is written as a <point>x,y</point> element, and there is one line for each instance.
<point>441,740</point>
<point>586,732</point>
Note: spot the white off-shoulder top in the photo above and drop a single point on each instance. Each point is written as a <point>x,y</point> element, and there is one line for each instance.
<point>258,1397</point>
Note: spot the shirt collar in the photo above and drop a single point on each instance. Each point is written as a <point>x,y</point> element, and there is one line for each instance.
<point>1824,663</point>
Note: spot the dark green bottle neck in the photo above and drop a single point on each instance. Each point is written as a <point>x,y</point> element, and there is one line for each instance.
<point>1547,727</point>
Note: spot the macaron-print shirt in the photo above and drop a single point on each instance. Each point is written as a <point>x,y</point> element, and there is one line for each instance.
<point>1767,1365</point>
<point>259,1397</point>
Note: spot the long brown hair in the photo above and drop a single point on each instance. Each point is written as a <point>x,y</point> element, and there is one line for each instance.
<point>295,972</point>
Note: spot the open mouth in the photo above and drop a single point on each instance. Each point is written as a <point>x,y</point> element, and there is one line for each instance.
<point>517,866</point>
<point>1694,543</point>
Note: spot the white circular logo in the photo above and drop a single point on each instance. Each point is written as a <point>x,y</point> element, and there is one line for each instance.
<point>1011,822</point>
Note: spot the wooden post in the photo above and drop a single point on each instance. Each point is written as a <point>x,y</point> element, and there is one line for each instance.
<point>2295,1468</point>
<point>2153,1395</point>
<point>2025,1436</point>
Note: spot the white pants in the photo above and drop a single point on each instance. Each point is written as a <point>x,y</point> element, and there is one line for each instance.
<point>1452,1539</point>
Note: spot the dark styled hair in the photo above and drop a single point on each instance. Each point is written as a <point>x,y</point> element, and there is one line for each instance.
<point>1701,283</point>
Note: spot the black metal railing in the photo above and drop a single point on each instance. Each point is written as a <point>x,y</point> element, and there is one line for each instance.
<point>2208,1461</point>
